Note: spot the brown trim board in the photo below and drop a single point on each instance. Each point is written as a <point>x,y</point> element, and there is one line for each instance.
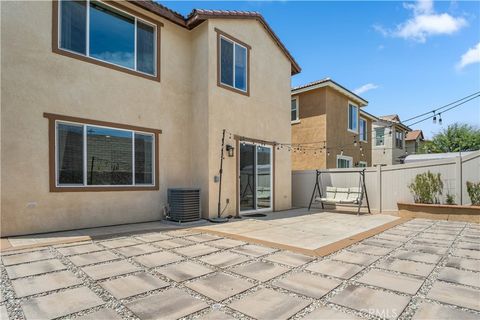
<point>116,4</point>
<point>223,34</point>
<point>51,154</point>
<point>319,252</point>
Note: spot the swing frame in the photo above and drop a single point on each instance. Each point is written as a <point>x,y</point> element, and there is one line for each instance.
<point>318,188</point>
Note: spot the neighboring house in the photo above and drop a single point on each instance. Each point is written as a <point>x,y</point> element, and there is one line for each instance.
<point>105,105</point>
<point>388,140</point>
<point>328,119</point>
<point>414,142</point>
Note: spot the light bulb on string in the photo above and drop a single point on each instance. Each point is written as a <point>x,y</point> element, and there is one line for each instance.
<point>440,119</point>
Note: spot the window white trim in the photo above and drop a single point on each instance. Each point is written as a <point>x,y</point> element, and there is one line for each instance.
<point>350,103</point>
<point>366,130</point>
<point>297,109</point>
<point>85,164</point>
<point>233,62</point>
<point>346,158</point>
<point>87,44</point>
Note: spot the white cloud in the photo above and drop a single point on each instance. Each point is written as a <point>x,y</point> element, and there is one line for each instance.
<point>365,88</point>
<point>424,23</point>
<point>469,57</point>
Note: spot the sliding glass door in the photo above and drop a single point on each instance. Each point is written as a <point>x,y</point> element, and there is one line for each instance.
<point>255,177</point>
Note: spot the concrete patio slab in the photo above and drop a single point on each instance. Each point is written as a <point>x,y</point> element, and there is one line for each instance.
<point>34,268</point>
<point>335,268</point>
<point>226,243</point>
<point>48,307</point>
<point>307,284</point>
<point>217,315</point>
<point>330,314</point>
<point>373,250</point>
<point>102,314</point>
<point>184,271</point>
<point>91,258</point>
<point>224,259</point>
<point>260,270</point>
<point>429,310</point>
<point>158,259</point>
<point>463,263</point>
<point>406,266</point>
<point>465,253</point>
<point>356,258</point>
<point>196,250</point>
<point>289,258</point>
<point>152,237</point>
<point>376,302</point>
<point>417,256</point>
<point>391,281</point>
<point>382,243</point>
<point>174,243</point>
<point>220,286</point>
<point>171,304</point>
<point>109,269</point>
<point>269,304</point>
<point>456,295</point>
<point>3,312</point>
<point>136,250</point>
<point>132,285</point>
<point>254,250</point>
<point>27,257</point>
<point>427,248</point>
<point>203,237</point>
<point>117,243</point>
<point>468,245</point>
<point>467,278</point>
<point>44,283</point>
<point>85,248</point>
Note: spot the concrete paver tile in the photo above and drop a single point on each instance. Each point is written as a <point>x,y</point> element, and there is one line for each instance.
<point>196,250</point>
<point>254,250</point>
<point>85,248</point>
<point>158,259</point>
<point>356,257</point>
<point>435,311</point>
<point>463,263</point>
<point>27,257</point>
<point>170,304</point>
<point>152,237</point>
<point>132,285</point>
<point>121,242</point>
<point>376,302</point>
<point>47,307</point>
<point>406,266</point>
<point>226,243</point>
<point>91,258</point>
<point>44,283</point>
<point>417,256</point>
<point>220,286</point>
<point>289,258</point>
<point>216,315</point>
<point>468,278</point>
<point>224,259</point>
<point>465,253</point>
<point>261,271</point>
<point>307,284</point>
<point>456,295</point>
<point>391,281</point>
<point>137,250</point>
<point>110,269</point>
<point>335,268</point>
<point>102,314</point>
<point>203,237</point>
<point>363,248</point>
<point>34,268</point>
<point>269,304</point>
<point>173,243</point>
<point>184,271</point>
<point>330,314</point>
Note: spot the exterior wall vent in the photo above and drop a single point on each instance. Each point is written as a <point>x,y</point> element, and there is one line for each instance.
<point>184,204</point>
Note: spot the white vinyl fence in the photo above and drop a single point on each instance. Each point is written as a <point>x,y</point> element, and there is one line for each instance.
<point>387,185</point>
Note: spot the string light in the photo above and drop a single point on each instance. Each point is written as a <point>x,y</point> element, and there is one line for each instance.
<point>434,119</point>
<point>440,119</point>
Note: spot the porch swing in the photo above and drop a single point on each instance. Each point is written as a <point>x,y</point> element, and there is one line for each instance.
<point>343,196</point>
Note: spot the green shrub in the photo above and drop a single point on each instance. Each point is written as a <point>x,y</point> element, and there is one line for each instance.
<point>450,199</point>
<point>473,190</point>
<point>426,188</point>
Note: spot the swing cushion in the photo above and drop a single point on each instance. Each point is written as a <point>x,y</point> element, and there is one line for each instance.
<point>329,196</point>
<point>341,195</point>
<point>354,195</point>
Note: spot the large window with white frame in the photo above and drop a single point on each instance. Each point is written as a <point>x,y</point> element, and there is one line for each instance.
<point>90,155</point>
<point>352,117</point>
<point>344,161</point>
<point>233,63</point>
<point>105,33</point>
<point>294,110</point>
<point>363,130</point>
<point>379,136</point>
<point>362,164</point>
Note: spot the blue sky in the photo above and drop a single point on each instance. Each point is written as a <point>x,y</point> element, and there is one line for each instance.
<point>408,53</point>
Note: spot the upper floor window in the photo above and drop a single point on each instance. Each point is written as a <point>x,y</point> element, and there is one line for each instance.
<point>363,130</point>
<point>399,139</point>
<point>294,110</point>
<point>105,33</point>
<point>233,63</point>
<point>379,136</point>
<point>352,117</point>
<point>344,161</point>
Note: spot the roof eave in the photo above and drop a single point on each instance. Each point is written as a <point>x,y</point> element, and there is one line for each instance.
<point>333,84</point>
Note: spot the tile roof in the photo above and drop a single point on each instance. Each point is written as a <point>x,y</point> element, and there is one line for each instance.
<point>391,117</point>
<point>329,81</point>
<point>197,16</point>
<point>413,135</point>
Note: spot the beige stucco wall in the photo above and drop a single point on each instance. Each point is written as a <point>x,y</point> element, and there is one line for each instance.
<point>387,154</point>
<point>323,116</point>
<point>187,105</point>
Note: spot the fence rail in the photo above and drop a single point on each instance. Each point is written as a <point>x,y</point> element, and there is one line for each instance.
<point>387,185</point>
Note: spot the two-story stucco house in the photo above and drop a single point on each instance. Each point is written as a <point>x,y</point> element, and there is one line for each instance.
<point>414,141</point>
<point>330,125</point>
<point>106,104</point>
<point>388,140</point>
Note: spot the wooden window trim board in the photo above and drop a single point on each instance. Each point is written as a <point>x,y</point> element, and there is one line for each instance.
<point>220,34</point>
<point>52,118</point>
<point>115,4</point>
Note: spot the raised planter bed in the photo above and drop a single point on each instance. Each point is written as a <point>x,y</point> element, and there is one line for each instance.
<point>439,211</point>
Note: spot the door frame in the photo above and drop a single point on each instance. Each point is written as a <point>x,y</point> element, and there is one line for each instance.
<point>238,141</point>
